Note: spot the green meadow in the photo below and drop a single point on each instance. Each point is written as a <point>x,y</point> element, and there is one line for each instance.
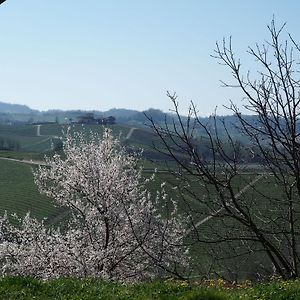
<point>18,194</point>
<point>89,289</point>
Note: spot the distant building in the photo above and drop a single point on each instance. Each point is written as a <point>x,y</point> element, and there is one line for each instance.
<point>89,118</point>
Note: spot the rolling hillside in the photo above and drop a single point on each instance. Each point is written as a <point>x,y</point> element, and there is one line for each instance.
<point>18,192</point>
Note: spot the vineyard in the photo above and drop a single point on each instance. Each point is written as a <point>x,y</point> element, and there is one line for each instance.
<point>19,194</point>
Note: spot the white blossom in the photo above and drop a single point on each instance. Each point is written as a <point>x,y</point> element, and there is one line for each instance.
<point>116,230</point>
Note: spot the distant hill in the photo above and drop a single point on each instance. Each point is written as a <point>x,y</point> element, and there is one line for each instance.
<point>15,108</point>
<point>22,114</point>
<point>16,113</point>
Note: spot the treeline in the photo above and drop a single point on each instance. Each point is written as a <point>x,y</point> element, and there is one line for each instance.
<point>7,143</point>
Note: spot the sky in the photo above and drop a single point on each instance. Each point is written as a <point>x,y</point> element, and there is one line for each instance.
<point>97,54</point>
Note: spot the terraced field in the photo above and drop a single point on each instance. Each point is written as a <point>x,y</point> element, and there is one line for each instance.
<point>56,129</point>
<point>19,194</point>
<point>30,140</point>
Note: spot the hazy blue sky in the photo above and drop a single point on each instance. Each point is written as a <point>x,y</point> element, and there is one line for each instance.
<point>94,54</point>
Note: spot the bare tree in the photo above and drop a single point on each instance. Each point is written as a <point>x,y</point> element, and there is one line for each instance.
<point>251,214</point>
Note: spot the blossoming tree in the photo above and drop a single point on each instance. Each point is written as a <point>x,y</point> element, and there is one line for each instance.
<point>115,232</point>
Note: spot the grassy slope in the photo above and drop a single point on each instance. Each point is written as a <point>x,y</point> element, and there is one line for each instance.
<point>19,194</point>
<point>27,288</point>
<point>28,140</point>
<point>54,129</point>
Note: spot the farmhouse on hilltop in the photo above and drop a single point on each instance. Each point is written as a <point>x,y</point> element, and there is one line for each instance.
<point>89,118</point>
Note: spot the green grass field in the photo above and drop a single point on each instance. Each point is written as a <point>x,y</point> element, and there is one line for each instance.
<point>56,129</point>
<point>89,289</point>
<point>19,194</point>
<point>29,141</point>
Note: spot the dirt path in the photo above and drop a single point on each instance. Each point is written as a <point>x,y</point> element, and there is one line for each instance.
<point>129,134</point>
<point>37,143</point>
<point>48,137</point>
<point>26,161</point>
<point>38,130</point>
<point>239,194</point>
